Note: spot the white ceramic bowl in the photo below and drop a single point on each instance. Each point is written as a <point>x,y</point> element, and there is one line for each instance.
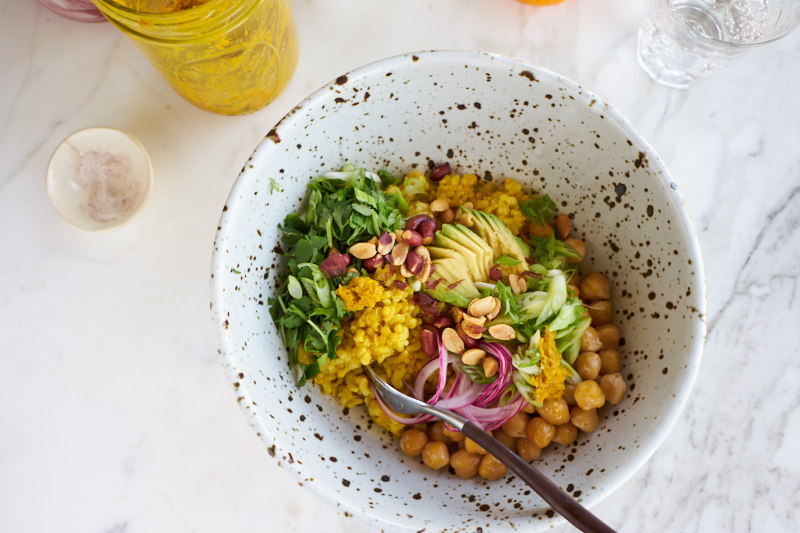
<point>496,117</point>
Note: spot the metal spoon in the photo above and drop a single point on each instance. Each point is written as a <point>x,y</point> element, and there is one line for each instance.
<point>559,500</point>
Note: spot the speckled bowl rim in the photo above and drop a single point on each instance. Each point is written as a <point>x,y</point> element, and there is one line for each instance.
<point>695,348</point>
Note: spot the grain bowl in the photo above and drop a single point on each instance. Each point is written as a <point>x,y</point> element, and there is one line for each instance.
<point>493,117</point>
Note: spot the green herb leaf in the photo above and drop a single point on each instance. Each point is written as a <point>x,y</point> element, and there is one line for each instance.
<point>344,208</point>
<point>545,249</point>
<point>273,186</point>
<point>507,260</point>
<point>540,210</point>
<point>235,271</point>
<point>507,395</point>
<point>388,178</point>
<point>477,375</point>
<point>508,301</point>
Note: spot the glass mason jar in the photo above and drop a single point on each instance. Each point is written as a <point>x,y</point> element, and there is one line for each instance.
<point>227,56</point>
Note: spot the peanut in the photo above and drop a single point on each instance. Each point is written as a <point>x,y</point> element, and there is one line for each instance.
<point>481,306</point>
<point>363,250</point>
<point>452,341</point>
<point>438,206</point>
<point>473,356</point>
<point>502,332</point>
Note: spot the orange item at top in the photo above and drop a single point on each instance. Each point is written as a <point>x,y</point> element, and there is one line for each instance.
<point>540,2</point>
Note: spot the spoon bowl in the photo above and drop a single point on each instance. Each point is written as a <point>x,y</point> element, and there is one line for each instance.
<point>559,500</point>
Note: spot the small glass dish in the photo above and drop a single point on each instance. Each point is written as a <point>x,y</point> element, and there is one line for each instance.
<point>99,178</point>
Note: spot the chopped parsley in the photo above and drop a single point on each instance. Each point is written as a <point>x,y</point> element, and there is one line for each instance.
<point>344,208</point>
<point>540,210</point>
<point>273,186</point>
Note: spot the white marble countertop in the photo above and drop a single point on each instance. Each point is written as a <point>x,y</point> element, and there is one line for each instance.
<point>114,412</point>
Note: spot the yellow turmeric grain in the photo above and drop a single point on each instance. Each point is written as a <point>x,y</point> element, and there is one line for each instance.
<point>549,382</point>
<point>360,293</point>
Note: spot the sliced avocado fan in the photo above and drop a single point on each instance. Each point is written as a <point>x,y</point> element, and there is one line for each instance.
<point>452,241</point>
<point>500,240</point>
<point>452,270</point>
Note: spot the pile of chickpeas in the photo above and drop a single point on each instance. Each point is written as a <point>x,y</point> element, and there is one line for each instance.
<point>534,428</point>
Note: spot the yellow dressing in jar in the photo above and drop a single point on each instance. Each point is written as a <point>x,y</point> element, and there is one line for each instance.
<point>226,56</point>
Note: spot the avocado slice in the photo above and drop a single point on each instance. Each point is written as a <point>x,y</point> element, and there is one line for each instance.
<point>437,252</point>
<point>500,240</point>
<point>488,253</point>
<point>451,270</point>
<point>459,239</point>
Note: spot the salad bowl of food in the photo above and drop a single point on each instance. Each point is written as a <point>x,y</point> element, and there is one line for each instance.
<point>488,237</point>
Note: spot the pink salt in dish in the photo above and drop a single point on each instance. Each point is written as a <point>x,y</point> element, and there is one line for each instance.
<point>99,178</point>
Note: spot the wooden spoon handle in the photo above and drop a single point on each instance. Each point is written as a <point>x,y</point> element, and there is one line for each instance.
<point>559,500</point>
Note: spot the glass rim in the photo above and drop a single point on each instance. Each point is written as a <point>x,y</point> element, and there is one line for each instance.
<point>720,42</point>
<point>197,24</point>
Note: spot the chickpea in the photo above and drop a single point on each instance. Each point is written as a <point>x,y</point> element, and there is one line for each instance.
<point>589,396</point>
<point>554,411</point>
<point>595,286</point>
<point>527,450</point>
<point>540,431</point>
<point>436,433</point>
<point>516,426</point>
<point>610,362</point>
<point>609,336</point>
<point>601,312</point>
<point>539,230</point>
<point>455,436</point>
<point>465,464</point>
<point>614,387</point>
<point>435,455</point>
<point>588,365</point>
<point>491,468</point>
<point>529,408</point>
<point>584,420</point>
<point>566,434</point>
<point>505,439</point>
<point>579,247</point>
<point>569,394</point>
<point>590,342</point>
<point>413,441</point>
<point>472,447</point>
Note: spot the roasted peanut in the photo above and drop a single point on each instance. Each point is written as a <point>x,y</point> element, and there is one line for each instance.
<point>490,366</point>
<point>502,332</point>
<point>438,206</point>
<point>363,250</point>
<point>481,306</point>
<point>452,341</point>
<point>563,225</point>
<point>473,356</point>
<point>400,253</point>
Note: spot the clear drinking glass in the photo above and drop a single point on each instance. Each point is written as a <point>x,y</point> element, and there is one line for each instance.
<point>685,40</point>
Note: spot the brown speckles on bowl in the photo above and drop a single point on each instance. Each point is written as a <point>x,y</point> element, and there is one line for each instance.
<point>498,124</point>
